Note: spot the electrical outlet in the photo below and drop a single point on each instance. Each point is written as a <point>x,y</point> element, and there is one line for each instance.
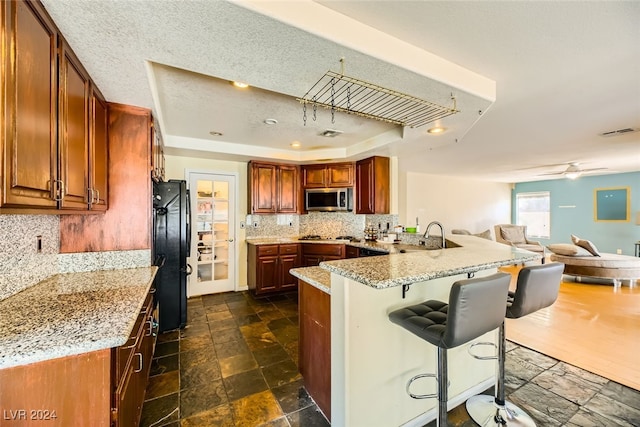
<point>619,251</point>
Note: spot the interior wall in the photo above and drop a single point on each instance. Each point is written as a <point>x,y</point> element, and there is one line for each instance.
<point>176,167</point>
<point>572,211</point>
<point>473,205</point>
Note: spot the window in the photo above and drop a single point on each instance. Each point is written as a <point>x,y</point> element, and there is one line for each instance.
<point>534,211</point>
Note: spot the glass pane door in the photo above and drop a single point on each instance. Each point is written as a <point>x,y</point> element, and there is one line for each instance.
<point>213,242</point>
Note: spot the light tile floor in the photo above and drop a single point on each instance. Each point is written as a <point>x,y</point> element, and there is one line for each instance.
<point>235,364</point>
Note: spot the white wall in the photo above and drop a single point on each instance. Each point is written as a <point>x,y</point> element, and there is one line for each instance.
<point>175,167</point>
<point>455,202</point>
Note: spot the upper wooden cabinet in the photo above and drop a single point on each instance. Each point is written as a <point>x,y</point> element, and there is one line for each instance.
<point>46,115</point>
<point>29,103</point>
<point>73,131</point>
<point>372,186</point>
<point>328,175</point>
<point>98,152</point>
<point>273,188</point>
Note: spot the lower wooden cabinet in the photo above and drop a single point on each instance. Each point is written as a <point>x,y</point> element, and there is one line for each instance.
<point>103,388</point>
<point>314,358</point>
<point>315,253</point>
<point>269,265</point>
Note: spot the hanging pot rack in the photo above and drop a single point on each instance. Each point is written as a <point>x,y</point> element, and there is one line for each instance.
<point>338,92</point>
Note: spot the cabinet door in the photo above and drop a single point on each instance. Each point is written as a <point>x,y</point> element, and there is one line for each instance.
<point>29,92</point>
<point>287,183</point>
<point>267,274</point>
<point>311,260</point>
<point>364,187</point>
<point>73,131</point>
<point>352,252</point>
<point>98,152</point>
<point>340,175</point>
<point>263,188</point>
<point>314,176</point>
<point>287,281</point>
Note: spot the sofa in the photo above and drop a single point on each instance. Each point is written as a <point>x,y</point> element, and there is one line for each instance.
<point>582,259</point>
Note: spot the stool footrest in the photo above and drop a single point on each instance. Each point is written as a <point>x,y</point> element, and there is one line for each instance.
<point>421,396</point>
<point>484,343</point>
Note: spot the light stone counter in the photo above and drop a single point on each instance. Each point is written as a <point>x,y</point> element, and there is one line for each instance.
<point>315,276</point>
<point>473,255</point>
<point>72,313</point>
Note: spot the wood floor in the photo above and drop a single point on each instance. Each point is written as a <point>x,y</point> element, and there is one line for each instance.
<point>594,327</point>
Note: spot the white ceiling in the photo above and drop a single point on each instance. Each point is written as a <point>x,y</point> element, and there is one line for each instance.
<point>535,82</point>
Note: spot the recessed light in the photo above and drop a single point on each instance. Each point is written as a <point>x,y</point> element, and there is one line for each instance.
<point>240,85</point>
<point>270,122</point>
<point>215,133</point>
<point>295,144</point>
<point>436,130</point>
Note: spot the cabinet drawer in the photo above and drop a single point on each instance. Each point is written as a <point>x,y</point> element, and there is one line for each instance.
<point>265,250</point>
<point>323,249</point>
<point>290,249</point>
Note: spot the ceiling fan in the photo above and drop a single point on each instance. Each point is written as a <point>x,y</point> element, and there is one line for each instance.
<point>573,171</point>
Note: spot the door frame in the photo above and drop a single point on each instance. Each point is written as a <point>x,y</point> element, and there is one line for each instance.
<point>236,195</point>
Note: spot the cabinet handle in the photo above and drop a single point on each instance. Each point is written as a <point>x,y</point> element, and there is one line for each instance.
<point>59,190</point>
<point>90,197</point>
<point>230,240</point>
<point>139,363</point>
<point>97,196</point>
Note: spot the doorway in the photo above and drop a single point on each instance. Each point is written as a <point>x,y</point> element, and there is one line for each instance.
<point>213,244</point>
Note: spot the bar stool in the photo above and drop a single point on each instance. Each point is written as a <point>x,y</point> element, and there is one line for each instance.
<point>537,288</point>
<point>474,308</point>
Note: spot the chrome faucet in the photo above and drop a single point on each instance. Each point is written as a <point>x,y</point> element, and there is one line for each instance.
<point>426,233</point>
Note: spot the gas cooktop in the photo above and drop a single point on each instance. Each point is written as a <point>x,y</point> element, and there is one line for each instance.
<point>310,237</point>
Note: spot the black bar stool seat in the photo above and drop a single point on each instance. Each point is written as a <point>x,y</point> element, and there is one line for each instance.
<point>476,306</point>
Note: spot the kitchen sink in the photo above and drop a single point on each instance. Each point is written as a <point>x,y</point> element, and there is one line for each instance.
<point>430,246</point>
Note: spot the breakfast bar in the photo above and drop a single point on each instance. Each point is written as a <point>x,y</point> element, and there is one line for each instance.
<point>371,358</point>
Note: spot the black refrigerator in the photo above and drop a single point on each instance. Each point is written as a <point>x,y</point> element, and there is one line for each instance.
<point>171,246</point>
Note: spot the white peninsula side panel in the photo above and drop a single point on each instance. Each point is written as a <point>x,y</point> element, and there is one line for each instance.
<point>372,358</point>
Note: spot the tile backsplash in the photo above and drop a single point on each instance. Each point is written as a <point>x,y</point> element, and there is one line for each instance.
<point>325,224</point>
<point>22,265</point>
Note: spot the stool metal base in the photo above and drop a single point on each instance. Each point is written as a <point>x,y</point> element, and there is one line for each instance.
<point>486,412</point>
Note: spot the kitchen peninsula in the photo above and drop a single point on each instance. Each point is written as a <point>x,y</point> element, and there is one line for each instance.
<point>371,358</point>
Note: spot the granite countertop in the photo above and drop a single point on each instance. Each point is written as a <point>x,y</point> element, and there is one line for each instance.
<point>315,276</point>
<point>278,240</point>
<point>72,313</point>
<point>474,254</point>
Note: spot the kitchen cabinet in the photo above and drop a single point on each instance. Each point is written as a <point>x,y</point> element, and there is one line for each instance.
<point>372,186</point>
<point>98,152</point>
<point>315,253</point>
<point>314,358</point>
<point>328,175</point>
<point>269,265</point>
<point>103,388</point>
<point>73,131</point>
<point>47,117</point>
<point>127,224</point>
<point>273,188</point>
<point>29,106</point>
<point>352,251</point>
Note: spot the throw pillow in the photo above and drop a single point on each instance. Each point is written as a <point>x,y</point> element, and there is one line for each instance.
<point>513,235</point>
<point>485,234</point>
<point>568,249</point>
<point>588,245</point>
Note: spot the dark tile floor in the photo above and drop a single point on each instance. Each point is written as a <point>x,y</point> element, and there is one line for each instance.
<point>235,364</point>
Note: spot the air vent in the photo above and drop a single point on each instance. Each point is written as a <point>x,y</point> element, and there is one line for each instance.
<point>331,133</point>
<point>619,131</point>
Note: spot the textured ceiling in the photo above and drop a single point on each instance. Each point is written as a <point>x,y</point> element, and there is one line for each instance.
<point>560,73</point>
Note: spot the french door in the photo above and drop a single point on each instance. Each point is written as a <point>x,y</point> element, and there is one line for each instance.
<point>213,239</point>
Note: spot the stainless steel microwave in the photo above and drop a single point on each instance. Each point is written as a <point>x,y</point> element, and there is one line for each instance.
<point>328,199</point>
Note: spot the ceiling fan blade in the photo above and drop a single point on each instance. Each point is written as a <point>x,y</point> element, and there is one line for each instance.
<point>592,170</point>
<point>551,173</point>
